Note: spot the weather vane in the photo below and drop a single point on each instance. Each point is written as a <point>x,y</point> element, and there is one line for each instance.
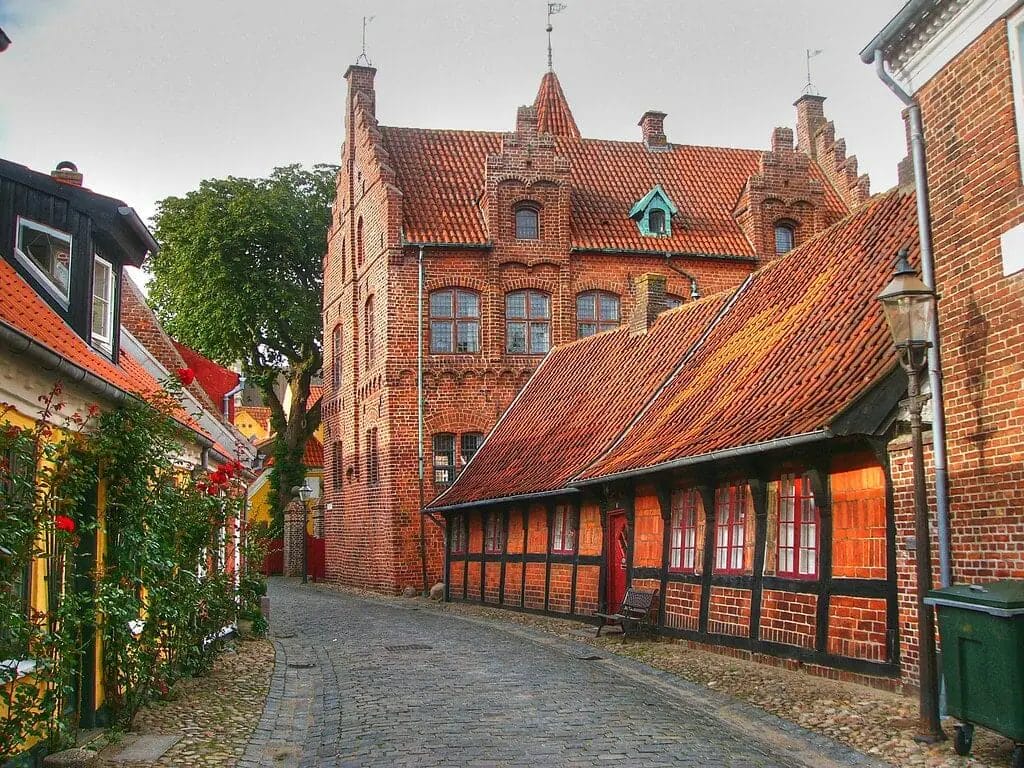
<point>809,89</point>
<point>362,56</point>
<point>553,8</point>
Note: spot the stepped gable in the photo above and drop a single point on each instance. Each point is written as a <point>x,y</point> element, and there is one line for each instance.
<point>785,354</point>
<point>562,421</point>
<point>553,113</point>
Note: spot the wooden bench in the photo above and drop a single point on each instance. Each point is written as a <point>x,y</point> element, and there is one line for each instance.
<point>634,613</point>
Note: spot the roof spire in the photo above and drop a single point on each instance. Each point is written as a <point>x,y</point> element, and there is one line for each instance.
<point>362,56</point>
<point>553,113</point>
<point>553,8</point>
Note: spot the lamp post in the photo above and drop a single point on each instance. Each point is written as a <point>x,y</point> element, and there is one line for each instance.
<point>305,492</point>
<point>909,307</point>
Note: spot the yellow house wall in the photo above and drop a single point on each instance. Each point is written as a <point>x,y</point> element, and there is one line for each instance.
<point>250,427</point>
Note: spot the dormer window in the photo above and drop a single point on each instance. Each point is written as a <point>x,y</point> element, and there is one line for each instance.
<point>527,223</point>
<point>653,213</point>
<point>46,253</point>
<point>784,237</point>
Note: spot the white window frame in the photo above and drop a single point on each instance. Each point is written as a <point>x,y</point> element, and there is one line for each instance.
<point>63,298</point>
<point>1014,31</point>
<point>106,344</point>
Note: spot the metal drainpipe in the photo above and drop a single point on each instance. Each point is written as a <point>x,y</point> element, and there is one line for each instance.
<point>419,411</point>
<point>924,228</point>
<point>694,290</point>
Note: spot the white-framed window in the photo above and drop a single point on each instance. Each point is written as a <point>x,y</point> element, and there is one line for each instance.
<point>1015,29</point>
<point>103,283</point>
<point>46,253</point>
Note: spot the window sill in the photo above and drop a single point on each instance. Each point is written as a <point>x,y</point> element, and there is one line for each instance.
<point>21,668</point>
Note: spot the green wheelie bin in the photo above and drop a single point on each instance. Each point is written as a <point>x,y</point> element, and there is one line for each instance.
<point>981,627</point>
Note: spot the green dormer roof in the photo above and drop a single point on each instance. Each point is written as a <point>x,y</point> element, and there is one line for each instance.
<point>655,201</point>
<point>657,197</point>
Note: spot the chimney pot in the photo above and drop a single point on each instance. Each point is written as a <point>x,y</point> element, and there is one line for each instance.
<point>650,302</point>
<point>66,172</point>
<point>652,127</point>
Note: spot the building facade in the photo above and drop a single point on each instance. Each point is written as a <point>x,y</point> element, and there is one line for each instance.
<point>468,255</point>
<point>962,64</point>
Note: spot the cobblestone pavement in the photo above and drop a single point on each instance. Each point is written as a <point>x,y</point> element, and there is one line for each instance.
<point>362,681</point>
<point>215,714</point>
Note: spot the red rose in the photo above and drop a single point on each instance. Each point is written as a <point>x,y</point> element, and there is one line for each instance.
<point>219,477</point>
<point>186,376</point>
<point>212,490</point>
<point>64,523</point>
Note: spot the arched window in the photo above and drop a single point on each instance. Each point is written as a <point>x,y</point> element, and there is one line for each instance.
<point>784,238</point>
<point>656,221</point>
<point>368,329</point>
<point>372,458</point>
<point>336,359</point>
<point>527,223</point>
<point>454,321</point>
<point>360,251</point>
<point>527,323</point>
<point>596,311</point>
<point>672,301</point>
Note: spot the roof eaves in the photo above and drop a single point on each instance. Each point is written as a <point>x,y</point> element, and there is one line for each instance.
<point>746,258</point>
<point>777,443</point>
<point>565,491</point>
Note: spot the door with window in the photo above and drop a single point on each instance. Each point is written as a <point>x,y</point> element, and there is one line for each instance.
<point>617,547</point>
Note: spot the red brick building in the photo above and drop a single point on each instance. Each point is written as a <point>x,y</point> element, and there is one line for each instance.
<point>729,454</point>
<point>961,62</point>
<point>526,240</point>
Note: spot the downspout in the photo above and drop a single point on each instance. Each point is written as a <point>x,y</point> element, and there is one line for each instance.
<point>231,393</point>
<point>924,229</point>
<point>694,290</point>
<point>419,411</point>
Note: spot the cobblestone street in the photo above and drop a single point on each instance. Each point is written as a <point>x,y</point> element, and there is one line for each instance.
<point>364,682</point>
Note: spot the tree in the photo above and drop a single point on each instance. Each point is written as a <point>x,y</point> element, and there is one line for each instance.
<point>239,277</point>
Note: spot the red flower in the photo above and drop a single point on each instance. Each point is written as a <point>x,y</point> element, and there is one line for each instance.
<point>186,376</point>
<point>212,490</point>
<point>64,523</point>
<point>94,410</point>
<point>219,477</point>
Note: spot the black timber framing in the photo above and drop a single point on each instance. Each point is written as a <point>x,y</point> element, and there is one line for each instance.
<point>664,491</point>
<point>892,605</point>
<point>448,522</point>
<point>823,501</point>
<point>575,508</point>
<point>526,544</point>
<point>707,495</point>
<point>549,511</point>
<point>504,556</point>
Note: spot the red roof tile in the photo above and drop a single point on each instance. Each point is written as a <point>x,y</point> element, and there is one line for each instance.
<point>441,175</point>
<point>258,412</point>
<point>800,342</point>
<point>553,113</point>
<point>313,455</point>
<point>215,379</point>
<point>24,310</point>
<point>315,394</point>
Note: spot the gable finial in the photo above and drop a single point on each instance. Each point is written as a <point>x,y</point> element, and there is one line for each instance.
<point>809,89</point>
<point>553,8</point>
<point>362,56</point>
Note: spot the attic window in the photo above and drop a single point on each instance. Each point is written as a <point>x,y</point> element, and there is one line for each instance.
<point>653,213</point>
<point>46,253</point>
<point>783,238</point>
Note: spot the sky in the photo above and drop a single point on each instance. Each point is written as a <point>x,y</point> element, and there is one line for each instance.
<point>149,97</point>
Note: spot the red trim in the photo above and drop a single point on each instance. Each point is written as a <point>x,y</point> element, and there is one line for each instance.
<point>734,522</point>
<point>801,492</point>
<point>684,520</point>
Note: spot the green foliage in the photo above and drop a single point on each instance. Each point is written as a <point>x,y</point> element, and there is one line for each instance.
<point>161,595</point>
<point>239,277</point>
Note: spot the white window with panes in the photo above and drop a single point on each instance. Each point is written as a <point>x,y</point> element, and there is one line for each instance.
<point>46,253</point>
<point>103,285</point>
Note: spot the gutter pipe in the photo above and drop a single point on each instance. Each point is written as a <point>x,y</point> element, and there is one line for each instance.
<point>231,393</point>
<point>419,412</point>
<point>924,229</point>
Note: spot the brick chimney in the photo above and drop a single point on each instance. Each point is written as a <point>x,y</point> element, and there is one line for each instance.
<point>810,117</point>
<point>66,172</point>
<point>526,121</point>
<point>650,302</point>
<point>360,85</point>
<point>652,126</point>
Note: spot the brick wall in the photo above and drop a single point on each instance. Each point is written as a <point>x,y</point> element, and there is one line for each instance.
<point>789,618</point>
<point>648,528</point>
<point>729,611</point>
<point>857,628</point>
<point>682,605</point>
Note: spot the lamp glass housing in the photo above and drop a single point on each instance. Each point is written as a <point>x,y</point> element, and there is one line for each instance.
<point>909,307</point>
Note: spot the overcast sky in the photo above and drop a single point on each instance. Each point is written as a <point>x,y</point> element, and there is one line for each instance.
<point>148,97</point>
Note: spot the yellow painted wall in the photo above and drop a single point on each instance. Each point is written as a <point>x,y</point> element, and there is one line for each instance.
<point>250,427</point>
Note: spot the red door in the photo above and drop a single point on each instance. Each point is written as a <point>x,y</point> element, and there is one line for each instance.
<point>616,547</point>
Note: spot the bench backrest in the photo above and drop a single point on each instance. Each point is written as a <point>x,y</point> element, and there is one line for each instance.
<point>638,600</point>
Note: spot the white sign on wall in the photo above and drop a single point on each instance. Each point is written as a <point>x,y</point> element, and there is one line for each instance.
<point>1012,245</point>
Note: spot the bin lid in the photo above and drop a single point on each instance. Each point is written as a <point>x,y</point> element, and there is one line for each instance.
<point>1007,594</point>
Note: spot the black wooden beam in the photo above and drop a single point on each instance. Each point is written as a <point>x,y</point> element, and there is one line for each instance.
<point>664,489</point>
<point>707,495</point>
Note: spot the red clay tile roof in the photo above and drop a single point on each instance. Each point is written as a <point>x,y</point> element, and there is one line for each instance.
<point>563,421</point>
<point>800,342</point>
<point>553,113</point>
<point>441,175</point>
<point>216,380</point>
<point>315,394</point>
<point>22,309</point>
<point>313,456</point>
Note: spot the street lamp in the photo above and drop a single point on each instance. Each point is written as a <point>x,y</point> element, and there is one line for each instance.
<point>909,306</point>
<point>305,494</point>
